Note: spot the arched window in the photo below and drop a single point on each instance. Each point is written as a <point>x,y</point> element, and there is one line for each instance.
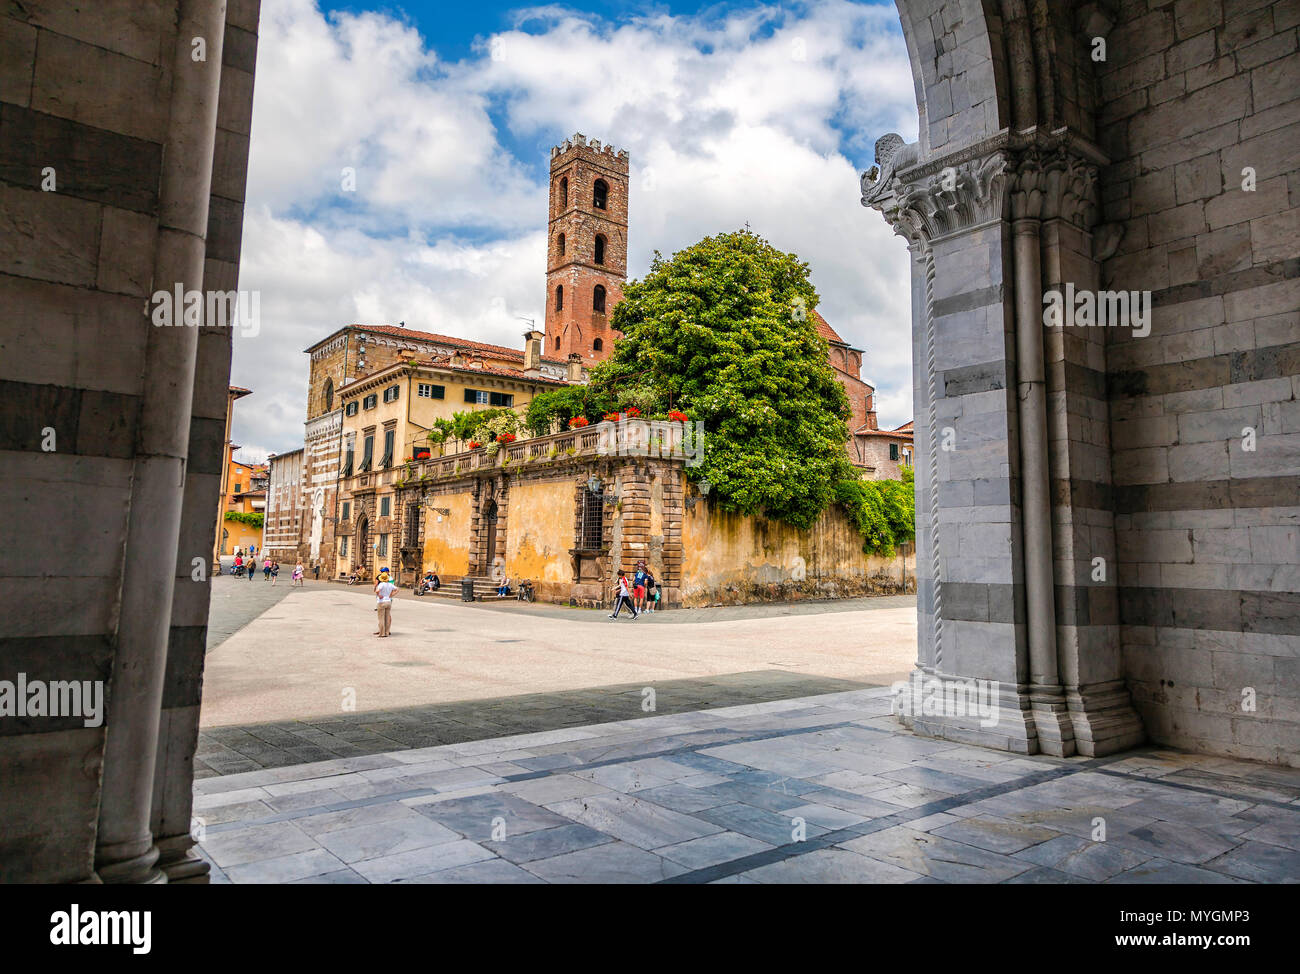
<point>600,248</point>
<point>329,393</point>
<point>560,244</point>
<point>598,299</point>
<point>557,343</point>
<point>559,297</point>
<point>597,345</point>
<point>564,192</point>
<point>600,195</point>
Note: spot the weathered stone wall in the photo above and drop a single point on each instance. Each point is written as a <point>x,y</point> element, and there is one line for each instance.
<point>1205,411</point>
<point>447,536</point>
<point>540,536</point>
<point>733,559</point>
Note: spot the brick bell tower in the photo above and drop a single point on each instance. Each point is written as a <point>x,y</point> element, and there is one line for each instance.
<point>586,251</point>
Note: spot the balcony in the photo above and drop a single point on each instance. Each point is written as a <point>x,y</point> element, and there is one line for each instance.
<point>633,438</point>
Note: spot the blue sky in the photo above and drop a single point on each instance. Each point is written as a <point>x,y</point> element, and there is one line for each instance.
<point>446,113</point>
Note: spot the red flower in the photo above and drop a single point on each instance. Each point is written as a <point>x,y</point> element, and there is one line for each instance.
<point>677,416</point>
<point>474,444</point>
<point>611,417</point>
<point>578,422</point>
<point>506,438</point>
<point>632,411</point>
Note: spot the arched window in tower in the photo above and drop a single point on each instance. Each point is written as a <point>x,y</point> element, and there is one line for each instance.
<point>559,297</point>
<point>600,248</point>
<point>564,192</point>
<point>597,345</point>
<point>560,244</point>
<point>598,299</point>
<point>329,393</point>
<point>600,195</point>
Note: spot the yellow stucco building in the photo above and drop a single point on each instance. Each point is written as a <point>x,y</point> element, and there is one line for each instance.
<point>243,492</point>
<point>387,418</point>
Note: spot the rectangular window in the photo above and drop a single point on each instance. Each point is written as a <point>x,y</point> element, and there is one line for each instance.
<point>351,408</point>
<point>343,547</point>
<point>383,545</point>
<point>502,399</point>
<point>385,506</point>
<point>412,525</point>
<point>427,390</point>
<point>370,402</point>
<point>347,510</point>
<point>893,451</point>
<point>368,454</point>
<point>239,488</point>
<point>392,393</point>
<point>387,460</point>
<point>477,396</point>
<point>593,520</point>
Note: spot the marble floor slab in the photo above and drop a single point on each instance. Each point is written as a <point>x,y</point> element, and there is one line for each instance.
<point>820,789</point>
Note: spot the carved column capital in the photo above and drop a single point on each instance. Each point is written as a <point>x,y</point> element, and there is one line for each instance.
<point>1054,183</point>
<point>923,203</point>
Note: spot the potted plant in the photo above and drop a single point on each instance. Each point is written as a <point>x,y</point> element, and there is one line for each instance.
<point>677,416</point>
<point>578,422</point>
<point>506,438</point>
<point>475,445</point>
<point>611,417</point>
<point>631,411</point>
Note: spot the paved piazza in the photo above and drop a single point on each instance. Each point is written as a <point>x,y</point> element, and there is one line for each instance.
<point>819,789</point>
<point>284,664</point>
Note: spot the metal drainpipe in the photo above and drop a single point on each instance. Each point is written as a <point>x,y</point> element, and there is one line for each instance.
<point>124,850</point>
<point>1034,475</point>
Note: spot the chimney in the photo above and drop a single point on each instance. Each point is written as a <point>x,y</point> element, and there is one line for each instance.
<point>575,367</point>
<point>533,349</point>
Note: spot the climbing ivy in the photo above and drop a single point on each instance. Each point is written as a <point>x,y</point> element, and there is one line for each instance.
<point>884,511</point>
<point>252,518</point>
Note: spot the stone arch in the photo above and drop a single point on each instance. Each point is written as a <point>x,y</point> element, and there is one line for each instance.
<point>1003,178</point>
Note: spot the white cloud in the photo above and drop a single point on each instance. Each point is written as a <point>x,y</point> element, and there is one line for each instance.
<point>725,123</point>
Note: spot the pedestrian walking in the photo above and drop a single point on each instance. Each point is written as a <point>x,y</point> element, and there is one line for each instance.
<point>266,570</point>
<point>298,574</point>
<point>275,572</point>
<point>316,568</point>
<point>252,569</point>
<point>623,597</point>
<point>384,590</point>
<point>651,590</point>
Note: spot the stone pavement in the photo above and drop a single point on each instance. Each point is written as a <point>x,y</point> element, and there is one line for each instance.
<point>231,750</point>
<point>310,672</point>
<point>819,789</point>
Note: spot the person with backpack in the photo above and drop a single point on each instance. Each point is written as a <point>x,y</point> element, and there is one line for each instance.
<point>651,591</point>
<point>623,596</point>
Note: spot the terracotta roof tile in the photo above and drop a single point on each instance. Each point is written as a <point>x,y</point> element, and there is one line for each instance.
<point>499,350</point>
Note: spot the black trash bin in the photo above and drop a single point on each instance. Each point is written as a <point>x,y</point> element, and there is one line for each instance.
<point>467,590</point>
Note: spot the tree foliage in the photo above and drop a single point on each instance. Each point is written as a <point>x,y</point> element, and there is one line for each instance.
<point>252,518</point>
<point>723,332</point>
<point>884,511</point>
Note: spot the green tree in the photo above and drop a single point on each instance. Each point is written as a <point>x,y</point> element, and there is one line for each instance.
<point>723,332</point>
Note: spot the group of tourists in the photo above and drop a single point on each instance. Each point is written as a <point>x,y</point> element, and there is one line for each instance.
<point>270,569</point>
<point>639,594</point>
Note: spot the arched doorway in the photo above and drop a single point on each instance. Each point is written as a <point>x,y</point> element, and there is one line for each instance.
<point>361,556</point>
